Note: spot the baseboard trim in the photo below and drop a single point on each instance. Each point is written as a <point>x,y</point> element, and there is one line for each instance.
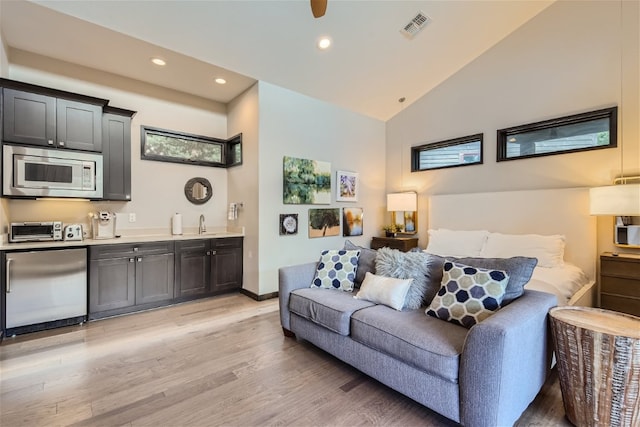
<point>259,297</point>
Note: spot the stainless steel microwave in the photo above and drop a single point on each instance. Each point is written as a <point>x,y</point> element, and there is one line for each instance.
<point>628,235</point>
<point>39,172</point>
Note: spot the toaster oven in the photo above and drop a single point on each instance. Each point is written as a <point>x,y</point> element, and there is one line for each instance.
<point>35,231</point>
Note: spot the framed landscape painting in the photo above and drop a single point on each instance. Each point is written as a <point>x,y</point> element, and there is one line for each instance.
<point>348,186</point>
<point>324,222</point>
<point>352,221</point>
<point>306,182</point>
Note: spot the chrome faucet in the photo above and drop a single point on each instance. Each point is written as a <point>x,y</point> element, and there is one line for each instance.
<point>201,227</point>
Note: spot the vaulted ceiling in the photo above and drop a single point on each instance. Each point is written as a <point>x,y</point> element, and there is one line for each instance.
<point>369,66</point>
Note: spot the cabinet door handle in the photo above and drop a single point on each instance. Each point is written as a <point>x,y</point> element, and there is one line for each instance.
<point>50,142</point>
<point>130,259</point>
<point>135,249</point>
<point>139,259</point>
<point>8,276</point>
<point>208,252</point>
<point>213,252</point>
<point>61,143</point>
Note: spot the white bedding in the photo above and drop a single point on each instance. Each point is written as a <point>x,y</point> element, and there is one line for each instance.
<point>563,281</point>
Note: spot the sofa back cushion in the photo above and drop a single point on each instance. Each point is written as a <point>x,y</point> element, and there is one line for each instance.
<point>366,261</point>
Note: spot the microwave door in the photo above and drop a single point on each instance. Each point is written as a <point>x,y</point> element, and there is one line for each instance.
<point>47,173</point>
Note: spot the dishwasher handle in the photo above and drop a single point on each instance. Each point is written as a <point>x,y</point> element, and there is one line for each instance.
<point>8,275</point>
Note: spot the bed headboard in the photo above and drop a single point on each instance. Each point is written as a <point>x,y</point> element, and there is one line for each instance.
<point>552,211</point>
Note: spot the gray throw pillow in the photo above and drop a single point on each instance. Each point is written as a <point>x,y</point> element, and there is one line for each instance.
<point>409,265</point>
<point>518,268</point>
<point>366,262</point>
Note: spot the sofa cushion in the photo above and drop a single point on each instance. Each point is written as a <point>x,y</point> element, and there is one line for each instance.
<point>468,294</point>
<point>336,270</point>
<point>423,342</point>
<point>384,290</point>
<point>327,307</point>
<point>518,268</point>
<point>366,261</point>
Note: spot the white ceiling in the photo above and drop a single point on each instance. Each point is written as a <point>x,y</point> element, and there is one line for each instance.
<point>368,68</point>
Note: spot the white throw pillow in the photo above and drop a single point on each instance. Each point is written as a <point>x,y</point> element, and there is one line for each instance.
<point>549,250</point>
<point>456,243</point>
<point>384,290</point>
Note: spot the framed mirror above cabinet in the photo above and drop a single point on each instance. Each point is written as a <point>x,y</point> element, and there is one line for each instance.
<point>198,190</point>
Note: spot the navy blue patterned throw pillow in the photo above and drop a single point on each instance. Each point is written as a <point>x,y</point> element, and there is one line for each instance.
<point>336,270</point>
<point>468,295</point>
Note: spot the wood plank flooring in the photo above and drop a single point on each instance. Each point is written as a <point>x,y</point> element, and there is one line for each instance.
<point>222,361</point>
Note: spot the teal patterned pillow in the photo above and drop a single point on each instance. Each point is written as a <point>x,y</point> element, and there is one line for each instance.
<point>336,270</point>
<point>468,294</point>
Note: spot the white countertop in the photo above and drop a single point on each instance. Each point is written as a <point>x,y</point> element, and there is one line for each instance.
<point>124,239</point>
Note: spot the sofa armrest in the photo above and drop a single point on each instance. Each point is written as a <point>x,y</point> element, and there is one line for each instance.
<point>505,361</point>
<point>291,278</point>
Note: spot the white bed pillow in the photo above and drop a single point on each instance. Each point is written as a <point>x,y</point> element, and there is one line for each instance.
<point>549,250</point>
<point>458,243</point>
<point>384,290</point>
<point>563,281</point>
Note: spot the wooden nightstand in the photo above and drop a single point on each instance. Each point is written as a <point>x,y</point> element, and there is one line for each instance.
<point>620,282</point>
<point>402,243</point>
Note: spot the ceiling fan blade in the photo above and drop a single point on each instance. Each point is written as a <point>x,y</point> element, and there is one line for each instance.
<point>318,8</point>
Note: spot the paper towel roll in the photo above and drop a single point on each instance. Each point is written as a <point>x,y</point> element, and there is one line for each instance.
<point>176,224</point>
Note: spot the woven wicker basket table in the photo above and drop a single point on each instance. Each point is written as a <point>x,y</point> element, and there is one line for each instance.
<point>598,353</point>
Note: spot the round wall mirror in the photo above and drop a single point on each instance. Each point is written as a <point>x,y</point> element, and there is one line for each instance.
<point>198,190</point>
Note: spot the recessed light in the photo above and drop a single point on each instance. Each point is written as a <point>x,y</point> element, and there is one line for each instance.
<point>159,61</point>
<point>324,43</point>
<point>220,80</point>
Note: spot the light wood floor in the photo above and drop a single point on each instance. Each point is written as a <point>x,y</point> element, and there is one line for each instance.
<point>220,361</point>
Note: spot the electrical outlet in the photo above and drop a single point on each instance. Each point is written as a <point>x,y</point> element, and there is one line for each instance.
<point>132,217</point>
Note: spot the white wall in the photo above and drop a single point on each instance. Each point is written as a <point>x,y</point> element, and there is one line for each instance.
<point>4,61</point>
<point>157,187</point>
<point>566,60</point>
<point>243,181</point>
<point>295,125</point>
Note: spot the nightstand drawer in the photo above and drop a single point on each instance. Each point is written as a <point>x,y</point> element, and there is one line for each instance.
<point>404,244</point>
<point>622,304</point>
<point>620,268</point>
<point>620,286</point>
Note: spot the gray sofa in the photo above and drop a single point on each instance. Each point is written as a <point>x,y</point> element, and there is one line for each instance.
<point>483,376</point>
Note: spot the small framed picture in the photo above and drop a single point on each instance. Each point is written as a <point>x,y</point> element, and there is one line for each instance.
<point>324,222</point>
<point>352,221</point>
<point>288,224</point>
<point>347,186</point>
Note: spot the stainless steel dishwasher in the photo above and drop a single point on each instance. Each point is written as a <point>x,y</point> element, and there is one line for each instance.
<point>45,289</point>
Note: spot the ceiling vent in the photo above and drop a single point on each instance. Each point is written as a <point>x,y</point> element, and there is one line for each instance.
<point>417,23</point>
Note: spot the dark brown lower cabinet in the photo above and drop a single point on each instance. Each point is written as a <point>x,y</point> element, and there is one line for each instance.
<point>129,277</point>
<point>207,267</point>
<point>226,264</point>
<point>193,258</point>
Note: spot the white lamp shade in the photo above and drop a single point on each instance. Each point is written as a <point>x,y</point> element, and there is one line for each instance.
<point>402,202</point>
<point>616,200</point>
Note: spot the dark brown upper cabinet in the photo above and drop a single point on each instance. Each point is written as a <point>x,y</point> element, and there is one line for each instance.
<point>116,153</point>
<point>35,115</point>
